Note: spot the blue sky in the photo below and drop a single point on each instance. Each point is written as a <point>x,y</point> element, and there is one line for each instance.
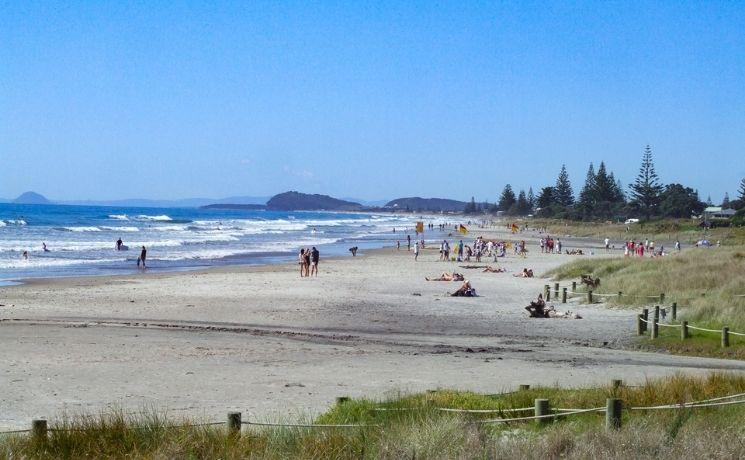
<point>107,100</point>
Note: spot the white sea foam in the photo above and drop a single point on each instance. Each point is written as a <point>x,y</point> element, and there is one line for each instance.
<point>81,229</point>
<point>119,216</point>
<point>14,222</point>
<point>160,218</point>
<point>40,262</point>
<point>121,229</point>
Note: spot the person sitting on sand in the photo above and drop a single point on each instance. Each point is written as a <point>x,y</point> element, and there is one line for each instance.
<point>526,273</point>
<point>489,269</point>
<point>447,277</point>
<point>536,309</point>
<point>465,290</point>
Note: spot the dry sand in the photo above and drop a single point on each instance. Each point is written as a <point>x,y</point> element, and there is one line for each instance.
<point>266,342</point>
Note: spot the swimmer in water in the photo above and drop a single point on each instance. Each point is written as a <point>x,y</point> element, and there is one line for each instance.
<point>44,247</point>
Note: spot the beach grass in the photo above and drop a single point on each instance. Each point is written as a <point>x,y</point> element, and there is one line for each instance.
<point>687,231</point>
<point>418,430</point>
<point>708,285</point>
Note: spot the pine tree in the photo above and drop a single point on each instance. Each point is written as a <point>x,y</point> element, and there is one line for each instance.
<point>742,191</point>
<point>521,207</point>
<point>646,190</point>
<point>563,194</point>
<point>725,201</point>
<point>545,198</point>
<point>471,207</point>
<point>604,185</point>
<point>618,195</point>
<point>507,199</point>
<point>587,195</point>
<point>531,199</point>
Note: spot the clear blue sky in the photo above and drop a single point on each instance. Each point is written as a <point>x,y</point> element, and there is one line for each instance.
<point>374,100</point>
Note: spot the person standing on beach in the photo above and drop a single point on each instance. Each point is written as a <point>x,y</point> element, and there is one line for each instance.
<point>143,256</point>
<point>416,251</point>
<point>301,262</point>
<point>314,256</point>
<point>306,262</point>
<point>460,251</point>
<point>408,242</point>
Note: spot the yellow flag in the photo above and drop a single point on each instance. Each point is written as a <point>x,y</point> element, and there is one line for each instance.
<point>463,229</point>
<point>420,227</point>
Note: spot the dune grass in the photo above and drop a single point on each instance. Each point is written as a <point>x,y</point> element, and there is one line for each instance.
<point>423,432</point>
<point>705,282</point>
<point>685,230</point>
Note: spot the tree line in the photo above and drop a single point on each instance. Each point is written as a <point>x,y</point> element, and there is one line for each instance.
<point>603,197</point>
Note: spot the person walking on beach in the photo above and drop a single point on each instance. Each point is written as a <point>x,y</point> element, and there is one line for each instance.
<point>314,256</point>
<point>143,256</point>
<point>398,245</point>
<point>306,262</point>
<point>301,262</point>
<point>408,242</point>
<point>460,251</point>
<point>416,251</point>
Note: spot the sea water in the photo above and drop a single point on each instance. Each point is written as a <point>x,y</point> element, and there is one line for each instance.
<point>81,240</point>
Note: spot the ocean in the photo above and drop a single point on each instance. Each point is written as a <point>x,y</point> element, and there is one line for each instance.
<point>81,239</point>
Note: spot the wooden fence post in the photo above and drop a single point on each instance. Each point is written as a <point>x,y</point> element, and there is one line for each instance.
<point>657,313</point>
<point>616,383</point>
<point>684,330</point>
<point>574,286</point>
<point>564,295</point>
<point>613,409</point>
<point>542,408</point>
<point>524,387</point>
<point>589,296</point>
<point>39,430</point>
<point>640,324</point>
<point>234,423</point>
<point>645,314</point>
<point>546,291</point>
<point>725,337</point>
<point>675,310</point>
<point>556,290</point>
<point>655,321</point>
<point>619,295</point>
<point>662,297</point>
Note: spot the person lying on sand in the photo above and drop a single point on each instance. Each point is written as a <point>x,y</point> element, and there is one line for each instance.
<point>554,313</point>
<point>526,273</point>
<point>465,290</point>
<point>537,307</point>
<point>447,277</point>
<point>495,270</point>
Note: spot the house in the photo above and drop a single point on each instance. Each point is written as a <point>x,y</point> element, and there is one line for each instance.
<point>716,212</point>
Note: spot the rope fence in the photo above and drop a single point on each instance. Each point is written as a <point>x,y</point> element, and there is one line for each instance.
<point>643,320</point>
<point>543,413</point>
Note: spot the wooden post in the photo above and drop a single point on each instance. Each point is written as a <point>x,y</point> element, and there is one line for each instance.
<point>619,295</point>
<point>616,383</point>
<point>725,337</point>
<point>556,290</point>
<point>684,330</point>
<point>574,286</point>
<point>645,314</point>
<point>589,296</point>
<point>564,295</point>
<point>39,429</point>
<point>655,328</point>
<point>675,310</point>
<point>342,399</point>
<point>234,423</point>
<point>546,291</point>
<point>542,408</point>
<point>662,297</point>
<point>656,313</point>
<point>640,324</point>
<point>524,387</point>
<point>613,409</point>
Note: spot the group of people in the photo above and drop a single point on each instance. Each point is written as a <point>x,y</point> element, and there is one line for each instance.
<point>550,246</point>
<point>632,248</point>
<point>308,261</point>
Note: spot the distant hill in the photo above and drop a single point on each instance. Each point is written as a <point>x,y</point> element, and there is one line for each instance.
<point>31,198</point>
<point>236,207</point>
<point>296,201</point>
<point>427,204</point>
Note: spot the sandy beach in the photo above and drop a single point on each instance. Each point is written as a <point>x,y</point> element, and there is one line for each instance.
<point>267,342</point>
